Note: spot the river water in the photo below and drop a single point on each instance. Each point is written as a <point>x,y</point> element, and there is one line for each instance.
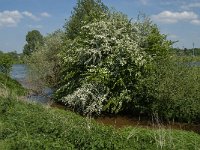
<point>19,72</point>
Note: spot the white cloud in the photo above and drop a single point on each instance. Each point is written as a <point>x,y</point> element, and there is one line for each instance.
<point>172,2</point>
<point>174,17</point>
<point>45,14</point>
<point>172,36</point>
<point>10,18</point>
<point>30,15</point>
<point>35,26</point>
<point>144,2</point>
<point>191,5</point>
<point>195,22</point>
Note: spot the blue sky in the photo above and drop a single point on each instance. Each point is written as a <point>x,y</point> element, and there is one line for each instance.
<point>179,19</point>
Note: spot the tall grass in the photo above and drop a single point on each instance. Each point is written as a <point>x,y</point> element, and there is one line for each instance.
<point>31,126</point>
<point>26,125</point>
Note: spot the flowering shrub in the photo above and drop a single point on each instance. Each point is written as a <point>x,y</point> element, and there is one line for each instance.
<point>107,54</point>
<point>87,99</point>
<point>106,63</point>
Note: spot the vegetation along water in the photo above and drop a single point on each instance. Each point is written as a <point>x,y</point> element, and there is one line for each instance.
<point>100,64</point>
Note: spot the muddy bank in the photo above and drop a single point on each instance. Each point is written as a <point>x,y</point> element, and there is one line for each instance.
<point>127,121</point>
<point>124,121</point>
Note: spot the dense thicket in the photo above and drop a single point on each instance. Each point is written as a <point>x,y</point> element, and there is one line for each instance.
<point>174,89</point>
<point>104,62</point>
<point>103,67</point>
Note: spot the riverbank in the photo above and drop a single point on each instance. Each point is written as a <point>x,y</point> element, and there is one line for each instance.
<point>11,86</point>
<point>25,125</point>
<point>19,72</point>
<point>123,121</point>
<point>32,126</point>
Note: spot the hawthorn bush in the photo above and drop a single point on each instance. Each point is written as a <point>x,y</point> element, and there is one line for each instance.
<point>106,63</point>
<point>103,68</point>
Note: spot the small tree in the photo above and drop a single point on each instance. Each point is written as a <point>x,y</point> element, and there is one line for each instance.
<point>34,39</point>
<point>44,64</point>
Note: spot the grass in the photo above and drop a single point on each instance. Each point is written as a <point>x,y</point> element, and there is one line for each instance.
<point>32,126</point>
<point>27,126</point>
<point>9,85</point>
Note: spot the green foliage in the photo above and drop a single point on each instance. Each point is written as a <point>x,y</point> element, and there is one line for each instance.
<point>9,89</point>
<point>174,89</point>
<point>31,126</point>
<point>34,39</point>
<point>86,11</point>
<point>114,54</point>
<point>187,52</point>
<point>43,64</point>
<point>15,56</point>
<point>6,62</point>
<point>104,62</point>
<point>10,86</point>
<point>153,42</point>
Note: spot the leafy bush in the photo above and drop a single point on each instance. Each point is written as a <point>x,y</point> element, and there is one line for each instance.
<point>43,64</point>
<point>6,62</point>
<point>104,62</point>
<point>111,53</point>
<point>174,90</point>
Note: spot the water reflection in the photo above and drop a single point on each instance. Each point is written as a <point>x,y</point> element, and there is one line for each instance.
<point>19,72</point>
<point>124,121</point>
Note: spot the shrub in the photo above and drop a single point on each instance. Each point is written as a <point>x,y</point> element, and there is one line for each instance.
<point>6,62</point>
<point>108,53</point>
<point>43,64</point>
<point>174,90</point>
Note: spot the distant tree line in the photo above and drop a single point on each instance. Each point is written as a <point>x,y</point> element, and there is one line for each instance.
<point>187,51</point>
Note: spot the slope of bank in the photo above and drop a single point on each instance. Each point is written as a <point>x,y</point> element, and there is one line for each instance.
<point>26,125</point>
<point>31,126</point>
<point>10,86</point>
